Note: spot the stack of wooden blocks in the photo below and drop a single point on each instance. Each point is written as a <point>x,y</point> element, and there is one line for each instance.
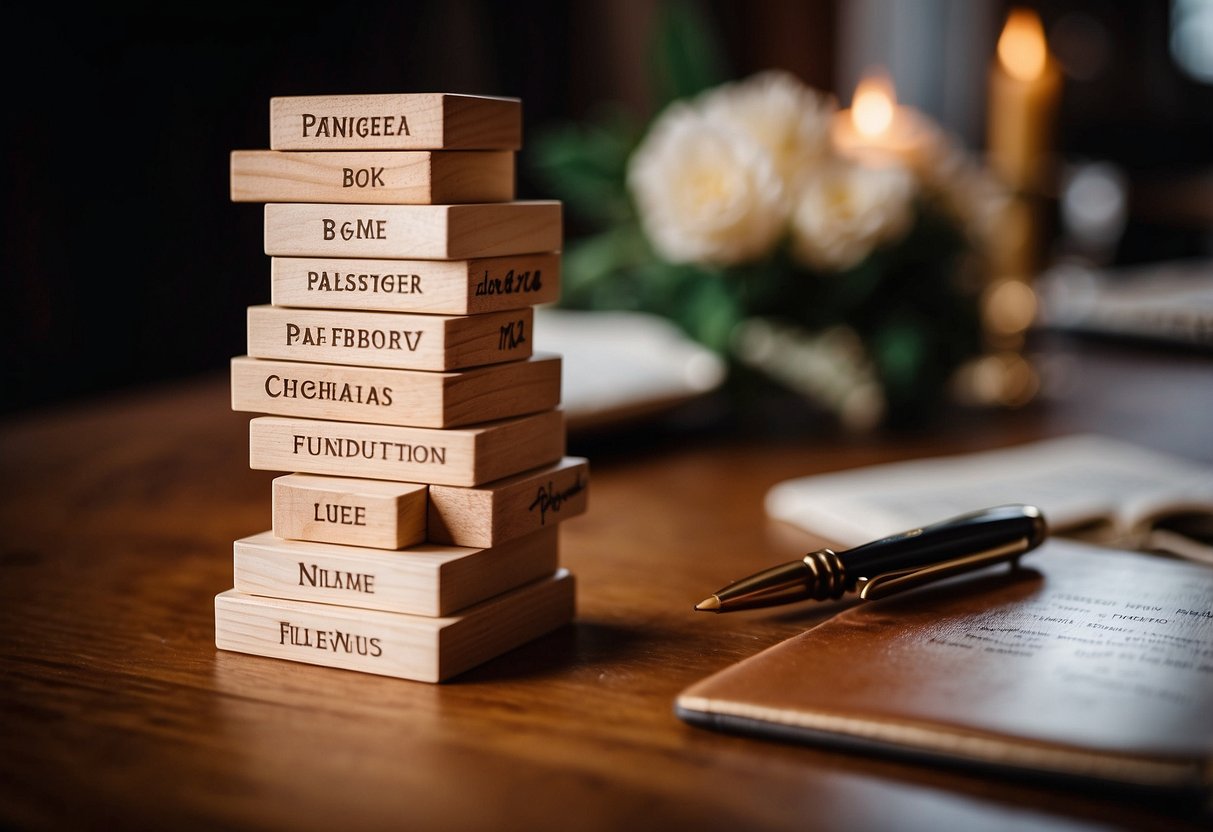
<point>417,535</point>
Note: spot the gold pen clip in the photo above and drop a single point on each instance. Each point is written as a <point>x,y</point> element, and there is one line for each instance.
<point>890,583</point>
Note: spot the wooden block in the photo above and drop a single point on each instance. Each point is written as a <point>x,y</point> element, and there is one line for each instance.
<point>442,287</point>
<point>426,579</point>
<point>414,177</point>
<point>424,232</point>
<point>389,643</point>
<point>389,339</point>
<point>413,398</point>
<point>493,513</point>
<point>401,121</point>
<point>455,456</point>
<point>354,512</point>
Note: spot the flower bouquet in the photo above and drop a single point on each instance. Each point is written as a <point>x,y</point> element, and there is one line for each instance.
<point>843,267</point>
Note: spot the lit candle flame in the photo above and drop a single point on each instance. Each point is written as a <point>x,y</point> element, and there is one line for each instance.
<point>873,105</point>
<point>1022,50</point>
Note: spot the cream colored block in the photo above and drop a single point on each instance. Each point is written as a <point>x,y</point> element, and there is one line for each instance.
<point>395,121</point>
<point>389,339</point>
<point>354,512</point>
<point>442,287</point>
<point>426,579</point>
<point>454,456</point>
<point>389,643</point>
<point>495,512</point>
<point>414,177</point>
<point>396,397</point>
<point>423,232</point>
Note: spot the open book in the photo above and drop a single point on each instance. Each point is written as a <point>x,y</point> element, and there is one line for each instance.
<point>1099,489</point>
<point>1086,664</point>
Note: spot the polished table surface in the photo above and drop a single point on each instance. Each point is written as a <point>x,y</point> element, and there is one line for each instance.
<point>117,711</point>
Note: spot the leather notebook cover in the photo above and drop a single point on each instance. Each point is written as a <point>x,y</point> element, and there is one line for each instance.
<point>1086,663</point>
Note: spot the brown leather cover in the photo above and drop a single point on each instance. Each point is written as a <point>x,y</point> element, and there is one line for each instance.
<point>1085,663</point>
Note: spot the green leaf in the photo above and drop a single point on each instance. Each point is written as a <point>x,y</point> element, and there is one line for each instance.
<point>586,165</point>
<point>899,352</point>
<point>688,58</point>
<point>708,306</point>
<point>597,270</point>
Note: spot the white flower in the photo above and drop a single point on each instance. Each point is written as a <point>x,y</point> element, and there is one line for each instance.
<point>790,120</point>
<point>967,191</point>
<point>844,210</point>
<point>706,193</point>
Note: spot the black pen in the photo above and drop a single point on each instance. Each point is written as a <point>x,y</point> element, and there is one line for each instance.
<point>891,564</point>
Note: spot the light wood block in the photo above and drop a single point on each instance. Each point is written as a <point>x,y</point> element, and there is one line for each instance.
<point>455,456</point>
<point>413,398</point>
<point>426,579</point>
<point>354,512</point>
<point>423,232</point>
<point>493,513</point>
<point>412,177</point>
<point>442,287</point>
<point>389,339</point>
<point>395,121</point>
<point>389,643</point>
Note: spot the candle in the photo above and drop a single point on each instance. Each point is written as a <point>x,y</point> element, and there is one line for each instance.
<point>1025,86</point>
<point>877,130</point>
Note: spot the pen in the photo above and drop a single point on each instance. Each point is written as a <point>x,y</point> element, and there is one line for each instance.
<point>891,564</point>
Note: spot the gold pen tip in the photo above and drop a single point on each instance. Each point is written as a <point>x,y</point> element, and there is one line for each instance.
<point>709,604</point>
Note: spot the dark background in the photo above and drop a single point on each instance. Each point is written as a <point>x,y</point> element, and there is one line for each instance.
<point>124,263</point>
<point>123,260</point>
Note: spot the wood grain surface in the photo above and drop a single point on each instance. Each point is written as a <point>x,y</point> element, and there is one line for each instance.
<point>470,455</point>
<point>505,509</point>
<point>350,511</point>
<point>425,579</point>
<point>395,121</point>
<point>411,177</point>
<point>415,647</point>
<point>436,287</point>
<point>117,711</point>
<point>420,398</point>
<point>388,339</point>
<point>423,232</point>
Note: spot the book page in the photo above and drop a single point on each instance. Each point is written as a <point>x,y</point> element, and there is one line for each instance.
<point>1076,481</point>
<point>622,366</point>
<point>1086,661</point>
<point>1170,300</point>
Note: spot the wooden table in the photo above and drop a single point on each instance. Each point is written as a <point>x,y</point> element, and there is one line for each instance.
<point>118,712</point>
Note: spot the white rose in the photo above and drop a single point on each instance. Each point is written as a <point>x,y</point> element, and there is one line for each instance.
<point>967,191</point>
<point>789,119</point>
<point>844,210</point>
<point>705,193</point>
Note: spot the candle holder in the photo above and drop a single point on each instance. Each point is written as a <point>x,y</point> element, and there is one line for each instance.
<point>1025,87</point>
